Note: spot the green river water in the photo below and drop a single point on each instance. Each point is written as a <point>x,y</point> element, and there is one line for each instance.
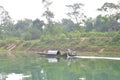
<point>34,67</point>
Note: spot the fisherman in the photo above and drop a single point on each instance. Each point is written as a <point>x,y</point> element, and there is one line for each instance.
<point>70,52</point>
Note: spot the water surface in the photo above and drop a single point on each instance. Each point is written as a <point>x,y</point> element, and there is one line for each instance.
<point>34,67</point>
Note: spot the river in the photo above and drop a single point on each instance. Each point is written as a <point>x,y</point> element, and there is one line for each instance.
<point>34,67</point>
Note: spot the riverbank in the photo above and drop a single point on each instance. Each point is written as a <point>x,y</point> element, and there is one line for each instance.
<point>101,46</point>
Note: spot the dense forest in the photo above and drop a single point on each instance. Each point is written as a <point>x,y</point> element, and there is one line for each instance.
<point>78,25</point>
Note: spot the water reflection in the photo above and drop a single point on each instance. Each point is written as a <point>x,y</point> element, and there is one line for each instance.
<point>42,68</point>
<point>13,76</point>
<point>82,78</point>
<point>53,60</point>
<point>39,75</point>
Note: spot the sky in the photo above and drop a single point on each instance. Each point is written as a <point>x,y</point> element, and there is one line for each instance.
<point>32,9</point>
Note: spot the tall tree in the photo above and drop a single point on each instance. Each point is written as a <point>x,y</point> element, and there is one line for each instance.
<point>6,24</point>
<point>89,24</point>
<point>76,12</point>
<point>47,13</point>
<point>102,23</point>
<point>5,19</point>
<point>38,23</point>
<point>23,24</point>
<point>68,24</point>
<point>112,11</point>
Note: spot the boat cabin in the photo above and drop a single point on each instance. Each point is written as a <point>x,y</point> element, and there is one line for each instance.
<point>54,52</point>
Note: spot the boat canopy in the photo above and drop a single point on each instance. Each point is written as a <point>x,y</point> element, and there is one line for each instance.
<point>54,52</point>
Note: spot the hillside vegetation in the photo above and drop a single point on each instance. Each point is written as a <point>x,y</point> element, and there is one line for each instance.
<point>90,44</point>
<point>88,36</point>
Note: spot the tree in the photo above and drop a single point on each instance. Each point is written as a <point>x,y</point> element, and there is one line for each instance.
<point>38,24</point>
<point>5,19</point>
<point>23,24</point>
<point>76,13</point>
<point>102,23</point>
<point>6,23</point>
<point>68,24</point>
<point>110,8</point>
<point>89,24</point>
<point>112,11</point>
<point>47,13</point>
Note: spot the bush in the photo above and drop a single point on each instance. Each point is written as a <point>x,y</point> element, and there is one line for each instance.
<point>62,36</point>
<point>27,44</point>
<point>117,37</point>
<point>2,43</point>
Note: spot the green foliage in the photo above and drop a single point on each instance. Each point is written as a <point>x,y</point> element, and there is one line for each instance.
<point>38,24</point>
<point>76,12</point>
<point>27,36</point>
<point>47,38</point>
<point>5,19</point>
<point>2,43</point>
<point>47,13</point>
<point>35,34</point>
<point>100,43</point>
<point>27,44</point>
<point>116,38</point>
<point>62,36</point>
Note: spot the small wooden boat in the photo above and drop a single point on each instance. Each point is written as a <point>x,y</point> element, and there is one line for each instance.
<point>57,54</point>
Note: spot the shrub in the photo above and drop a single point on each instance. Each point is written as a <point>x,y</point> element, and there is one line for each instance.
<point>27,44</point>
<point>117,37</point>
<point>62,36</point>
